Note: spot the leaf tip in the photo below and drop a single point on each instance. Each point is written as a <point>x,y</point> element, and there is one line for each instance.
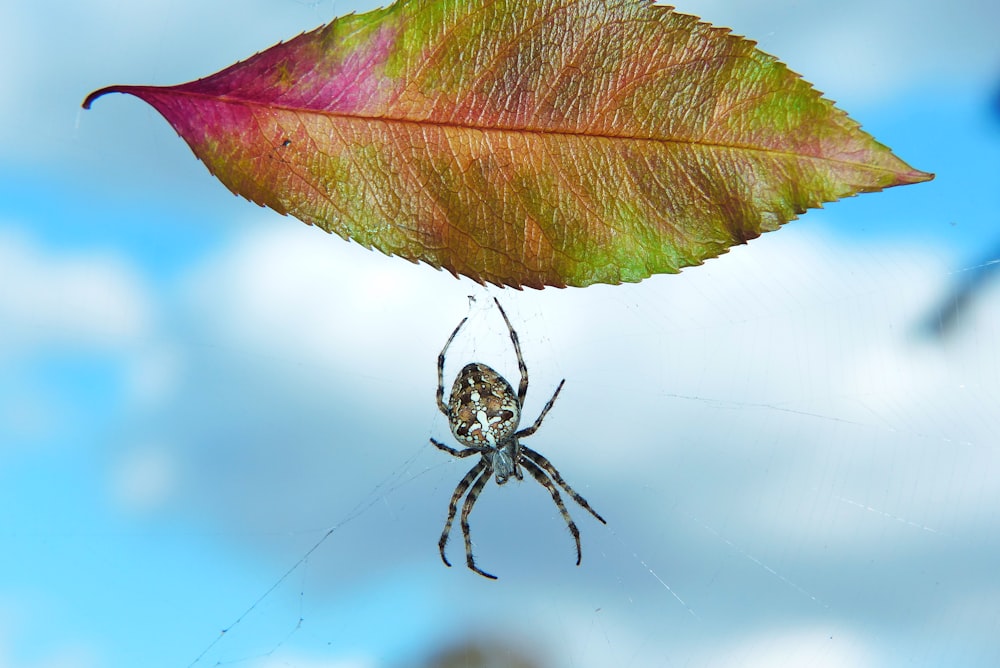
<point>100,92</point>
<point>916,176</point>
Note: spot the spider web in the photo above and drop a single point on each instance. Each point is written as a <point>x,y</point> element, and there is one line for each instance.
<point>794,445</point>
<point>760,435</point>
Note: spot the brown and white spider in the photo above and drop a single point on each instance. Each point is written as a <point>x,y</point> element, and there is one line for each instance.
<point>483,413</point>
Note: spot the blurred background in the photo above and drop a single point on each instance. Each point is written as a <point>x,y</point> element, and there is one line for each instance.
<point>214,421</point>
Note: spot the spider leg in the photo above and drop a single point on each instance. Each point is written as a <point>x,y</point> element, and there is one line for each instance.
<point>440,391</point>
<point>538,475</point>
<point>452,451</point>
<point>460,489</point>
<point>522,389</point>
<point>547,466</point>
<point>538,422</point>
<point>466,509</point>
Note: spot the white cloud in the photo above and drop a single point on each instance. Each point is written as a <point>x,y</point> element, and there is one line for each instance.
<point>91,300</point>
<point>861,49</point>
<point>16,617</point>
<point>73,306</point>
<point>293,294</point>
<point>144,478</point>
<point>797,365</point>
<point>826,646</point>
<point>13,43</point>
<point>797,349</point>
<point>774,413</point>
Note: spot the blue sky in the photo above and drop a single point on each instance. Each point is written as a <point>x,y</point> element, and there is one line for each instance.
<point>194,391</point>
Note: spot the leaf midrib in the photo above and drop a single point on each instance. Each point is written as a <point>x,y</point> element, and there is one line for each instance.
<point>271,106</point>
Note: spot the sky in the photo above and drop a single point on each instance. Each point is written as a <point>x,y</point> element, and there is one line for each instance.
<point>216,418</point>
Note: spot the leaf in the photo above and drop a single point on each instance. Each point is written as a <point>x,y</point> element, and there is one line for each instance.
<point>527,142</point>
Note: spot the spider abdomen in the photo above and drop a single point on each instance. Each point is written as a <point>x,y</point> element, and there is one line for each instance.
<point>483,407</point>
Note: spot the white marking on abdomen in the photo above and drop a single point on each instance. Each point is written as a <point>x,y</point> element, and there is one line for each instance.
<point>486,425</point>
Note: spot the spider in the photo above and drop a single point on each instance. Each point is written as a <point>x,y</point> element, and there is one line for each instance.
<point>483,412</point>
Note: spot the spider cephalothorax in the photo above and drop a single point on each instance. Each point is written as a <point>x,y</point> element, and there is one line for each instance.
<point>484,412</point>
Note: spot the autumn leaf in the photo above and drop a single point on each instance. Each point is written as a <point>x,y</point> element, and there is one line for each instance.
<point>527,142</point>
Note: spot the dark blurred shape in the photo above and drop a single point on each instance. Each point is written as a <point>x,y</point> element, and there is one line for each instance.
<point>970,281</point>
<point>995,107</point>
<point>481,654</point>
<point>948,313</point>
